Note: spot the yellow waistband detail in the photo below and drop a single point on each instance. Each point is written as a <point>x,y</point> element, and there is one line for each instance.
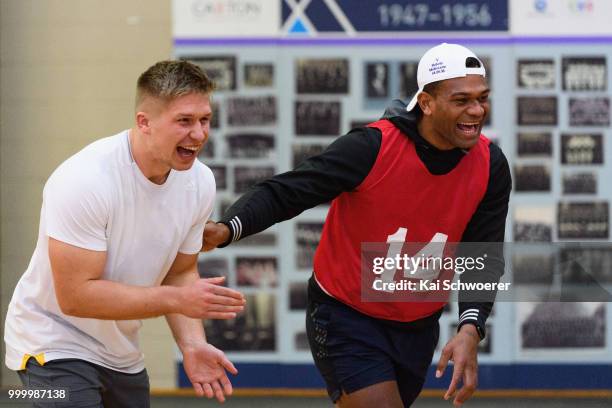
<point>40,359</point>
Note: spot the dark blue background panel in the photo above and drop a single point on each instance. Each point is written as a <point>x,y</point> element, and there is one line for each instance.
<point>322,17</point>
<point>432,15</point>
<point>490,376</point>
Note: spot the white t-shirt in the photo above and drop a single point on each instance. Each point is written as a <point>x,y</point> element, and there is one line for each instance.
<point>99,200</point>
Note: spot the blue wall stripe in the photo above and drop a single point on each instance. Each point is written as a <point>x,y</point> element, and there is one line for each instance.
<point>491,376</point>
<point>311,41</point>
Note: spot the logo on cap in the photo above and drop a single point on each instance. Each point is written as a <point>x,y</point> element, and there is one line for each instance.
<point>437,67</point>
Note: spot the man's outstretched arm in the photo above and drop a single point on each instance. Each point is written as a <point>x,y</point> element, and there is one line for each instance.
<point>81,291</point>
<point>204,364</point>
<point>486,226</point>
<point>319,179</point>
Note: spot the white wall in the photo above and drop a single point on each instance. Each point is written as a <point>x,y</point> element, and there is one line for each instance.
<point>68,74</point>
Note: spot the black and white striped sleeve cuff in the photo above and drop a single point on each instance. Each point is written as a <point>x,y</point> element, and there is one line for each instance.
<point>476,316</point>
<point>467,315</point>
<point>235,227</point>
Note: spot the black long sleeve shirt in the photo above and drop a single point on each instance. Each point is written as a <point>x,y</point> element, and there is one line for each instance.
<point>346,163</point>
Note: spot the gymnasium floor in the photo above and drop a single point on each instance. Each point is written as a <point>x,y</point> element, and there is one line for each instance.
<point>292,402</point>
<point>315,402</point>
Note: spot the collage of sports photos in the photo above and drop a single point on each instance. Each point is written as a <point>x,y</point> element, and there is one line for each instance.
<point>568,209</point>
<point>562,112</point>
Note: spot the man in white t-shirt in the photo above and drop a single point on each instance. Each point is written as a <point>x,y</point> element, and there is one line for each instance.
<point>120,231</point>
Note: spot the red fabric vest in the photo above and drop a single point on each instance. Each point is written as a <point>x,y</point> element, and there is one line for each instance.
<point>398,192</point>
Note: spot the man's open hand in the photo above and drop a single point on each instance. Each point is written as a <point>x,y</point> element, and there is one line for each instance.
<point>206,367</point>
<point>207,299</point>
<point>462,350</point>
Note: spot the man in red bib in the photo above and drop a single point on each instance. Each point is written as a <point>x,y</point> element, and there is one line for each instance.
<point>424,170</point>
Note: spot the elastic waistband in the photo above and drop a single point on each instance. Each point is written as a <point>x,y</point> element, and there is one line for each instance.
<point>316,294</point>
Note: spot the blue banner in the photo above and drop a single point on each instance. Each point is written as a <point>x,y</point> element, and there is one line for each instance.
<point>419,15</point>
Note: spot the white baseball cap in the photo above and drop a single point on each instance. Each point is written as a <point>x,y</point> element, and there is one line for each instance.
<point>444,61</point>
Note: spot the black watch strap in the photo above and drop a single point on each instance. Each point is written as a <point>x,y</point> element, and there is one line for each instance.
<point>482,332</point>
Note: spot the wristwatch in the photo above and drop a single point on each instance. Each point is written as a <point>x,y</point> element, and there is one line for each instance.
<point>482,332</point>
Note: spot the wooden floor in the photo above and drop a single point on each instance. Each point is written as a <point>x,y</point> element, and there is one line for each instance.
<point>428,400</point>
<point>423,402</point>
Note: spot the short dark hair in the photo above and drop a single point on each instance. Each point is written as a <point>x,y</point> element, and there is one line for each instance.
<point>170,79</point>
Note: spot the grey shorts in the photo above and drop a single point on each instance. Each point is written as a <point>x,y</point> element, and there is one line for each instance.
<point>89,385</point>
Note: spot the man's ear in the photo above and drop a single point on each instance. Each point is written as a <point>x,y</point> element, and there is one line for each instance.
<point>425,102</point>
<point>143,122</point>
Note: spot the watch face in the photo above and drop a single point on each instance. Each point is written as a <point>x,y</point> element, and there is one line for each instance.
<point>481,331</point>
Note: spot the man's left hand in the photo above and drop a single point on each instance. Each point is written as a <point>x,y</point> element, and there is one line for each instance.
<point>462,350</point>
<point>205,367</point>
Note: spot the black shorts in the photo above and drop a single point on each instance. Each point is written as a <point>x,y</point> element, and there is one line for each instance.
<point>89,385</point>
<point>353,351</point>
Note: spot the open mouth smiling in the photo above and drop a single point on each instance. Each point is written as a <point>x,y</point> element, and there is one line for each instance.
<point>187,151</point>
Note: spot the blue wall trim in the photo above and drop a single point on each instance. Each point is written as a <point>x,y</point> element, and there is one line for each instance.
<point>491,376</point>
<point>365,41</point>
